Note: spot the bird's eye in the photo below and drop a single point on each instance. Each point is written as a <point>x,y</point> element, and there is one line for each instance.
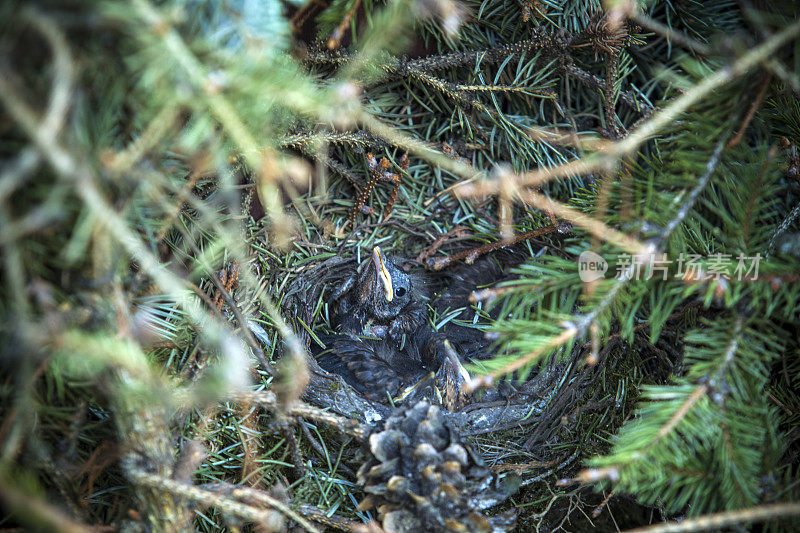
<point>400,292</point>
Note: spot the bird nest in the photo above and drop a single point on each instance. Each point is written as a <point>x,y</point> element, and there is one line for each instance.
<point>531,412</point>
<point>518,431</point>
<point>529,428</point>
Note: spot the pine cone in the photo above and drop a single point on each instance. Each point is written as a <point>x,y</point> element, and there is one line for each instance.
<point>422,478</point>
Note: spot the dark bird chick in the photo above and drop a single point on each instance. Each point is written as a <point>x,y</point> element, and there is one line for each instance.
<point>380,301</point>
<point>427,366</point>
<point>386,349</point>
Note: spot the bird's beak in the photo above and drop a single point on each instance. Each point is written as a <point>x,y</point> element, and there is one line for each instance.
<point>453,359</point>
<point>380,268</point>
<point>452,376</point>
<point>405,393</point>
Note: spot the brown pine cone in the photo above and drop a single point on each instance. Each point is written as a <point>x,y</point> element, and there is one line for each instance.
<point>421,477</point>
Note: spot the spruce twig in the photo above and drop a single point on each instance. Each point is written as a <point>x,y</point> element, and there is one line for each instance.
<point>581,325</point>
<point>613,152</point>
<point>469,256</point>
<point>226,505</point>
<point>716,521</point>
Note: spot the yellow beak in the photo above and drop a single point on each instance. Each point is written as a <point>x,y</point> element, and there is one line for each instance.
<point>383,274</point>
<point>452,356</point>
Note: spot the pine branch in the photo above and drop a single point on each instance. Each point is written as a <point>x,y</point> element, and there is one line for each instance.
<point>672,36</point>
<point>638,104</point>
<point>716,521</point>
<point>118,201</point>
<point>217,103</point>
<point>612,153</point>
<point>36,512</point>
<point>422,150</point>
<point>303,410</point>
<point>469,256</point>
<point>581,325</point>
<point>784,225</point>
<point>227,505</point>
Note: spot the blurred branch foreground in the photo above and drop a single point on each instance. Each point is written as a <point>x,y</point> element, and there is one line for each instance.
<point>185,185</point>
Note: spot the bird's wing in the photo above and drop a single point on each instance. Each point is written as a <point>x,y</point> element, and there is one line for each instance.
<point>305,289</point>
<point>455,286</point>
<point>458,282</point>
<point>364,365</point>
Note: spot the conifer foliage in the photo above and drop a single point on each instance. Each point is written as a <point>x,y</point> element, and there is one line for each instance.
<point>170,171</point>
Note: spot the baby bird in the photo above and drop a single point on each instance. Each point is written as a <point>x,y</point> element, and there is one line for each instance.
<point>427,366</point>
<point>380,301</point>
<point>385,349</point>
